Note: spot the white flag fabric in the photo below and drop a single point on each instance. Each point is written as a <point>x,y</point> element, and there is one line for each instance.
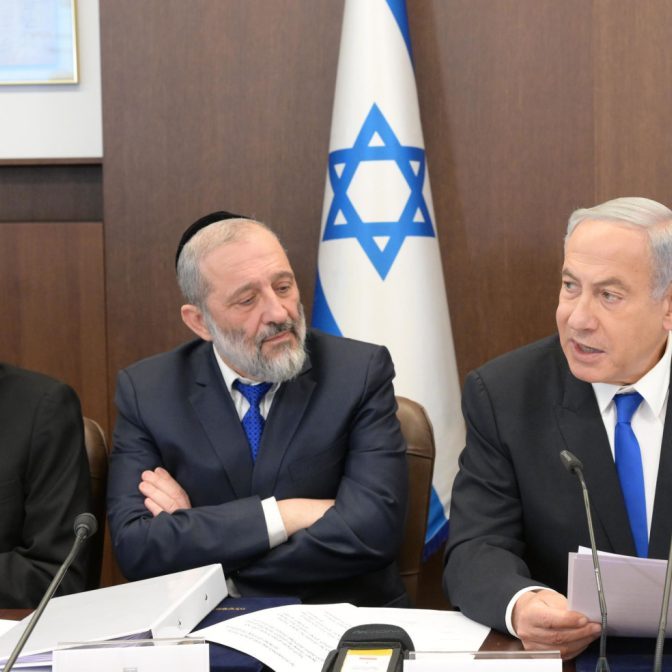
<point>380,277</point>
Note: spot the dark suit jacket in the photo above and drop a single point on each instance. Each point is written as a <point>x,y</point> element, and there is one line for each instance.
<point>44,484</point>
<point>516,512</point>
<point>331,433</point>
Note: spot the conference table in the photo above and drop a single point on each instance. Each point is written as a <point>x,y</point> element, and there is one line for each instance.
<point>624,655</point>
<point>495,641</point>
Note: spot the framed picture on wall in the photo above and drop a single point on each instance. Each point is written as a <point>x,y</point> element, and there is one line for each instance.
<point>38,42</point>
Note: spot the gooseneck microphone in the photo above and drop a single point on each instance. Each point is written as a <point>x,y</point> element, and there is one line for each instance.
<point>574,465</point>
<point>662,622</point>
<point>85,527</point>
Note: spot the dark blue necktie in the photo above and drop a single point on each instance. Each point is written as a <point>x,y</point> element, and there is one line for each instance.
<point>629,466</point>
<point>253,421</point>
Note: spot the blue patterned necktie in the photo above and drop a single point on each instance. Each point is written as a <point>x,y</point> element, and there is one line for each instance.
<point>253,421</point>
<point>629,466</point>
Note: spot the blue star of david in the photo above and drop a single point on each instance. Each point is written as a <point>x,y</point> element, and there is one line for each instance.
<point>343,220</point>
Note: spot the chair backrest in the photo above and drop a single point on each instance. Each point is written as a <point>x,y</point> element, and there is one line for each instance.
<point>417,430</point>
<point>96,451</point>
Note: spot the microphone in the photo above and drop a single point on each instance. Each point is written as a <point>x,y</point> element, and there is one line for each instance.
<point>84,527</point>
<point>574,465</point>
<point>662,622</point>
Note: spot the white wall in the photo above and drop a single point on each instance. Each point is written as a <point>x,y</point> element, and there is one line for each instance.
<point>58,121</point>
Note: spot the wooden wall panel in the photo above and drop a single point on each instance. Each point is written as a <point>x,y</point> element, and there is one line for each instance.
<point>632,99</point>
<point>50,193</point>
<point>52,305</point>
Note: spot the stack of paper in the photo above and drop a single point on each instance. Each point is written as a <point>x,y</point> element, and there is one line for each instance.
<point>298,637</point>
<point>633,591</point>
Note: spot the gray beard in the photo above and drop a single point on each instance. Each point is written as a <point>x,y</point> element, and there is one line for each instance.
<point>285,361</point>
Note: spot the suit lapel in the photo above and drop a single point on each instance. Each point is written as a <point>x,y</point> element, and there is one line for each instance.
<point>582,428</point>
<point>661,522</point>
<point>288,408</point>
<point>217,414</point>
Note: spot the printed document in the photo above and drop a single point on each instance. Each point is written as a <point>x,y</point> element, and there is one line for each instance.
<point>299,637</point>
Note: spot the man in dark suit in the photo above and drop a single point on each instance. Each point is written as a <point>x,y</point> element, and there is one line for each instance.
<point>44,485</point>
<point>301,491</point>
<point>516,512</point>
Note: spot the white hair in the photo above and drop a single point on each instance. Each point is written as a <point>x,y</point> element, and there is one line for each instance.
<point>635,212</point>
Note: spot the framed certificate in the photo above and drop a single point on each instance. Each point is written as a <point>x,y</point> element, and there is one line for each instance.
<point>38,42</point>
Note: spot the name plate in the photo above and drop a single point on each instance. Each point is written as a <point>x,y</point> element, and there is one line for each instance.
<point>152,655</point>
<point>490,661</point>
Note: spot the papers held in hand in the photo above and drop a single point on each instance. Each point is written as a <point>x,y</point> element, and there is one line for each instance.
<point>165,606</point>
<point>633,589</point>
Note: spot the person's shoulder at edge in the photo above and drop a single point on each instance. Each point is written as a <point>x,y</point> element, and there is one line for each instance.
<point>531,375</point>
<point>182,352</point>
<point>27,379</point>
<point>542,352</point>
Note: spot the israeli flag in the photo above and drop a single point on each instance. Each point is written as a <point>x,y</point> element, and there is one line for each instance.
<point>379,266</point>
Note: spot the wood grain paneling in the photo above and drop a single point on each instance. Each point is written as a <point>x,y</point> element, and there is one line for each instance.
<point>53,306</point>
<point>632,99</point>
<point>50,193</point>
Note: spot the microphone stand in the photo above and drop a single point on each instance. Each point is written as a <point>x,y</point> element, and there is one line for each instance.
<point>575,466</point>
<point>662,623</point>
<point>84,528</point>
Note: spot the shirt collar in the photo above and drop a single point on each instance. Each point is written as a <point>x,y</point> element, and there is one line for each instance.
<point>653,386</point>
<point>230,376</point>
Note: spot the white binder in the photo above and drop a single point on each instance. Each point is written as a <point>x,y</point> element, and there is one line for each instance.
<point>164,606</point>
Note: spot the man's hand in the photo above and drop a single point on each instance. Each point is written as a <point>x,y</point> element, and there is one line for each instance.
<point>542,621</point>
<point>162,492</point>
<point>298,514</point>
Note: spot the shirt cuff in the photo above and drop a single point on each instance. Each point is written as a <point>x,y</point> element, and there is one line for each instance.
<point>277,534</point>
<point>512,604</point>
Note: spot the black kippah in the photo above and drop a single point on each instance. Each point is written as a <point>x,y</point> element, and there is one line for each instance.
<point>201,223</point>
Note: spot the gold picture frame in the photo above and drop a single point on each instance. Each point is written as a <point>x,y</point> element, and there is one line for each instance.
<point>38,42</point>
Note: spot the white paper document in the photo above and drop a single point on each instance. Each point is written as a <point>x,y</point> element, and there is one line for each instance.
<point>299,637</point>
<point>633,592</point>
